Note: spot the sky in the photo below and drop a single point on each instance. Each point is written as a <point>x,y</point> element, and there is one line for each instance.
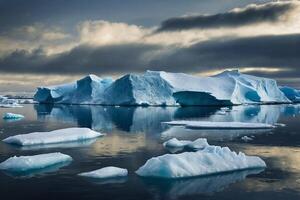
<point>51,42</point>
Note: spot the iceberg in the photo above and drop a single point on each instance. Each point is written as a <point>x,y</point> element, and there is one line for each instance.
<point>163,88</point>
<point>200,143</point>
<point>219,125</point>
<point>210,160</point>
<point>12,116</point>
<point>106,173</point>
<point>88,90</point>
<point>56,136</point>
<point>8,103</point>
<point>27,163</point>
<point>291,93</point>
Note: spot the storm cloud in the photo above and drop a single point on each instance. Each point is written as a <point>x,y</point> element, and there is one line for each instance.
<point>270,12</point>
<point>262,51</point>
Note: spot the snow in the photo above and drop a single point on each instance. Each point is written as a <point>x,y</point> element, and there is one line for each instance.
<point>163,88</point>
<point>219,125</point>
<point>56,136</point>
<point>8,103</point>
<point>200,143</point>
<point>25,163</point>
<point>12,116</point>
<point>210,160</point>
<point>106,172</point>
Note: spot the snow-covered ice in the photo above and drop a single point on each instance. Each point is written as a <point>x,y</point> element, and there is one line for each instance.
<point>210,160</point>
<point>106,172</point>
<point>12,116</point>
<point>219,125</point>
<point>26,163</point>
<point>163,88</point>
<point>200,143</point>
<point>56,136</point>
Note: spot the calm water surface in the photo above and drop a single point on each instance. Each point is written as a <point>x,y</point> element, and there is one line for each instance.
<point>136,134</point>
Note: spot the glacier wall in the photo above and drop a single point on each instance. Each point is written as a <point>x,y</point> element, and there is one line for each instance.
<point>168,89</point>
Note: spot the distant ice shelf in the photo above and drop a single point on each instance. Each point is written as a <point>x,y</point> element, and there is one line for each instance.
<point>52,137</point>
<point>27,163</point>
<point>219,125</point>
<point>106,173</point>
<point>163,88</point>
<point>9,103</point>
<point>210,160</point>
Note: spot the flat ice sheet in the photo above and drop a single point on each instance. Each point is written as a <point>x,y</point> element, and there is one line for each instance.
<point>106,172</point>
<point>56,136</point>
<point>219,125</point>
<point>26,163</point>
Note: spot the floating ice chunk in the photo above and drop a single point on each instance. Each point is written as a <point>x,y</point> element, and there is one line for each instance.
<point>174,143</point>
<point>8,103</point>
<point>12,116</point>
<point>106,172</point>
<point>211,160</point>
<point>220,125</point>
<point>246,138</point>
<point>56,136</point>
<point>200,143</point>
<point>26,163</point>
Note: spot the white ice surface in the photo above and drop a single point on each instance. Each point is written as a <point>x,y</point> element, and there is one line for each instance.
<point>106,172</point>
<point>25,163</point>
<point>219,125</point>
<point>211,160</point>
<point>159,88</point>
<point>56,136</point>
<point>200,143</point>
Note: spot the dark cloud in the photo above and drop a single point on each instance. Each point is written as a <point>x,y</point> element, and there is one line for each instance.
<point>280,51</point>
<point>270,12</point>
<point>82,59</point>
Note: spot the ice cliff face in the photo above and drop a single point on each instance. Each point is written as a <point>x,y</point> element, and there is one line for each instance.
<point>162,88</point>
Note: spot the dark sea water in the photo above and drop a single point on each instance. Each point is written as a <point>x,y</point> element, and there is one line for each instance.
<point>135,134</point>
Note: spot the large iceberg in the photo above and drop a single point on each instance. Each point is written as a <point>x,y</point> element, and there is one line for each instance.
<point>210,160</point>
<point>219,125</point>
<point>106,173</point>
<point>162,88</point>
<point>27,163</point>
<point>56,136</point>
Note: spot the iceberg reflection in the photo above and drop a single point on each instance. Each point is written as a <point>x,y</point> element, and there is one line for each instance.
<point>148,119</point>
<point>36,172</point>
<point>208,185</point>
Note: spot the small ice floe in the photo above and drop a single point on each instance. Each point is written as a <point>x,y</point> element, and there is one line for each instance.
<point>52,137</point>
<point>220,125</point>
<point>246,138</point>
<point>280,124</point>
<point>210,160</point>
<point>27,163</point>
<point>106,173</point>
<point>198,144</point>
<point>12,116</point>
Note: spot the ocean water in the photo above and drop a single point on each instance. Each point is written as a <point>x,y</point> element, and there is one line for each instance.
<point>135,134</point>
